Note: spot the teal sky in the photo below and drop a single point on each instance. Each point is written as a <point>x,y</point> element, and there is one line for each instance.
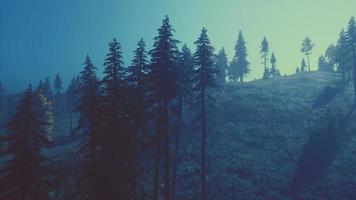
<point>40,38</point>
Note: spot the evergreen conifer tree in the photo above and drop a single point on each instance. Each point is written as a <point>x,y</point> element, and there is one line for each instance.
<point>239,66</point>
<point>205,77</point>
<point>25,174</point>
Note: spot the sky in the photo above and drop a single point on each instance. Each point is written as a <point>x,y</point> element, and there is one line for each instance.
<point>40,38</point>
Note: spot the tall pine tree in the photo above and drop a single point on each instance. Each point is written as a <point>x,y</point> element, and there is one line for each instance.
<point>205,77</point>
<point>25,173</point>
<point>222,66</point>
<point>264,53</point>
<point>118,142</point>
<point>186,69</point>
<point>164,84</point>
<point>307,47</point>
<point>90,184</point>
<point>239,66</point>
<point>351,40</point>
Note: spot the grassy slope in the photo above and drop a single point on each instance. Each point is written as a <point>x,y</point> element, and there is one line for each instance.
<point>258,133</point>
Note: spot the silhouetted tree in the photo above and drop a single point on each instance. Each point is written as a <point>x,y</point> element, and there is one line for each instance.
<point>323,65</point>
<point>307,48</point>
<point>274,71</point>
<point>118,142</point>
<point>222,66</point>
<point>343,55</point>
<point>205,77</point>
<point>47,89</point>
<point>351,38</point>
<point>164,82</point>
<point>264,52</point>
<point>303,66</point>
<point>71,96</point>
<point>297,70</point>
<point>90,184</point>
<point>185,86</point>
<point>239,66</point>
<point>25,173</point>
<point>57,86</point>
<point>330,56</point>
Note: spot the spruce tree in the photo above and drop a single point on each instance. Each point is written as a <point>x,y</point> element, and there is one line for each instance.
<point>164,84</point>
<point>343,55</point>
<point>90,184</point>
<point>186,69</point>
<point>307,48</point>
<point>303,66</point>
<point>222,66</point>
<point>25,173</point>
<point>47,89</point>
<point>205,77</point>
<point>239,66</point>
<point>118,142</point>
<point>57,86</point>
<point>274,71</point>
<point>351,40</point>
<point>71,97</point>
<point>137,81</point>
<point>297,70</point>
<point>264,53</point>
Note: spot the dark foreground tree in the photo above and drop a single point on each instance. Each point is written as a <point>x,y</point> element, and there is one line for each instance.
<point>306,49</point>
<point>186,67</point>
<point>205,79</point>
<point>117,141</point>
<point>90,181</point>
<point>239,66</point>
<point>25,173</point>
<point>222,66</point>
<point>351,40</point>
<point>164,85</point>
<point>264,53</point>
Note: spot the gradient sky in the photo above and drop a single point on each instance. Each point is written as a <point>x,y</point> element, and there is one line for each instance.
<point>39,38</point>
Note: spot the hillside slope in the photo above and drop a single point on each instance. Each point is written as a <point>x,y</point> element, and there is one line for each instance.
<point>279,139</point>
<point>283,138</point>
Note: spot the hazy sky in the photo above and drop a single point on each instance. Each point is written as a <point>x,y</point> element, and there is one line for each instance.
<point>39,38</point>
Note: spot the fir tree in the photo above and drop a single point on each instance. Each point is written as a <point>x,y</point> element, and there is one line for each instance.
<point>117,141</point>
<point>164,85</point>
<point>239,66</point>
<point>186,63</point>
<point>297,70</point>
<point>90,184</point>
<point>57,86</point>
<point>343,55</point>
<point>351,40</point>
<point>303,66</point>
<point>274,71</point>
<point>205,77</point>
<point>323,65</point>
<point>264,52</point>
<point>71,96</point>
<point>307,48</point>
<point>222,66</point>
<point>25,174</point>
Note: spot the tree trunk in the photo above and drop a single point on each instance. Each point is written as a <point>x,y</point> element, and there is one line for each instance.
<point>308,62</point>
<point>177,142</point>
<point>71,123</point>
<point>156,188</point>
<point>203,145</point>
<point>167,154</point>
